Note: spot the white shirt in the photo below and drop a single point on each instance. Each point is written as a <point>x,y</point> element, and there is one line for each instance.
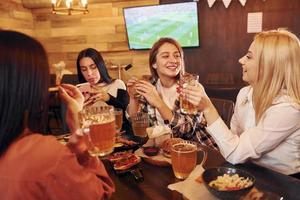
<point>168,95</point>
<point>273,143</point>
<point>113,87</point>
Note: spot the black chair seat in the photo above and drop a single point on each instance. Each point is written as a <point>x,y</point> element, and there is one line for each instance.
<point>225,109</point>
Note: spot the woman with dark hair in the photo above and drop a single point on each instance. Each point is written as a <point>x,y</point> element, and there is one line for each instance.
<point>95,62</point>
<point>33,166</point>
<point>91,68</point>
<point>162,100</point>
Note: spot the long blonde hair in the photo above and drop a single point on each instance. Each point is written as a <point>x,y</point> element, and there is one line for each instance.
<point>278,70</point>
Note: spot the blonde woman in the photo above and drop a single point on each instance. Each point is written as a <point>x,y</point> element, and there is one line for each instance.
<point>265,127</point>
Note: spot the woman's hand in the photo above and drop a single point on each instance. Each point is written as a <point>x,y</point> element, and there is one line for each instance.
<point>150,93</point>
<point>98,93</point>
<point>197,96</point>
<point>131,86</point>
<point>73,99</point>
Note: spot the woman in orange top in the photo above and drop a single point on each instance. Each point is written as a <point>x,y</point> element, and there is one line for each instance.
<point>33,166</point>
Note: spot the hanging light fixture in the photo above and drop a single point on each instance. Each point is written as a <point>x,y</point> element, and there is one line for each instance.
<point>69,7</point>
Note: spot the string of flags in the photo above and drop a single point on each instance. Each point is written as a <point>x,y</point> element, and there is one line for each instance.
<point>225,2</point>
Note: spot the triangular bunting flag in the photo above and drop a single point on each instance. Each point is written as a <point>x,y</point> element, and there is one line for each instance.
<point>243,2</point>
<point>210,3</point>
<point>226,3</point>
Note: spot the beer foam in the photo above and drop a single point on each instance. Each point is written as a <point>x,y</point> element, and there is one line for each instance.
<point>99,119</point>
<point>184,147</point>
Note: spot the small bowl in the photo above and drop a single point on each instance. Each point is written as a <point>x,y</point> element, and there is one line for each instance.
<point>212,174</point>
<point>151,151</point>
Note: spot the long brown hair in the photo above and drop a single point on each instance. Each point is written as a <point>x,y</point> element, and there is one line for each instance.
<point>154,51</point>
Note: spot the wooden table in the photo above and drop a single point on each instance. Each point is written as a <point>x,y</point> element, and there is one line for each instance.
<point>156,180</point>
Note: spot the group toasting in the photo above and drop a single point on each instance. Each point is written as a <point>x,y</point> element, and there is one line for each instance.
<point>264,129</point>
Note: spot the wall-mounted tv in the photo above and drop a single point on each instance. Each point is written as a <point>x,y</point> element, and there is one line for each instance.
<point>146,24</point>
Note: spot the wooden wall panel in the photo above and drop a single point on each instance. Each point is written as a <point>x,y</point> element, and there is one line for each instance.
<point>103,29</point>
<point>13,16</point>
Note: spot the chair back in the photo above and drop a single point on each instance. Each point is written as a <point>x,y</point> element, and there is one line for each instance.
<point>225,109</point>
<point>219,78</point>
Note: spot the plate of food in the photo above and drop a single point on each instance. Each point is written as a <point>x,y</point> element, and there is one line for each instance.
<point>123,160</point>
<point>126,162</point>
<point>228,183</point>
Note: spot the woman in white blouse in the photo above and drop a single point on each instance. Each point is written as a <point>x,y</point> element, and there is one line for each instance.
<point>265,127</point>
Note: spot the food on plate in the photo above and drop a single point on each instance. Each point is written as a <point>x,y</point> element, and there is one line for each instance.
<point>125,141</point>
<point>126,163</point>
<point>167,145</point>
<point>230,182</point>
<point>123,160</point>
<point>118,156</point>
<point>151,151</point>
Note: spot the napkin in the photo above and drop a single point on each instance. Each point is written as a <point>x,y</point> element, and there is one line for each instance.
<point>192,189</point>
<point>158,130</point>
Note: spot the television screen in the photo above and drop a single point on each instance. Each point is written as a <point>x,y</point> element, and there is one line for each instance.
<point>146,24</point>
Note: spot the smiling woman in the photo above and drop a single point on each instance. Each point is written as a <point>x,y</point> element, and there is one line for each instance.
<point>161,96</point>
<point>265,126</point>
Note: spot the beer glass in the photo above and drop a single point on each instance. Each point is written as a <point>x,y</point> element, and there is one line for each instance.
<point>132,90</point>
<point>119,119</point>
<point>140,123</point>
<point>185,106</point>
<point>98,122</point>
<point>184,158</point>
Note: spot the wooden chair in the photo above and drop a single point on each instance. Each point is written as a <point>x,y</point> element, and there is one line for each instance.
<point>219,78</point>
<point>225,109</point>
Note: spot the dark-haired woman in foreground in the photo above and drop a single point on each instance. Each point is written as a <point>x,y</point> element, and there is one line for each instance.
<point>33,166</point>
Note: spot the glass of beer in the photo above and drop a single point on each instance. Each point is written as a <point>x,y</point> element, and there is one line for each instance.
<point>119,119</point>
<point>132,90</point>
<point>140,123</point>
<point>184,158</point>
<point>98,122</point>
<point>185,106</point>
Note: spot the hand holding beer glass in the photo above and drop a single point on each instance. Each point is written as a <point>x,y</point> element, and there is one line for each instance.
<point>98,123</point>
<point>132,89</point>
<point>184,158</point>
<point>185,106</point>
